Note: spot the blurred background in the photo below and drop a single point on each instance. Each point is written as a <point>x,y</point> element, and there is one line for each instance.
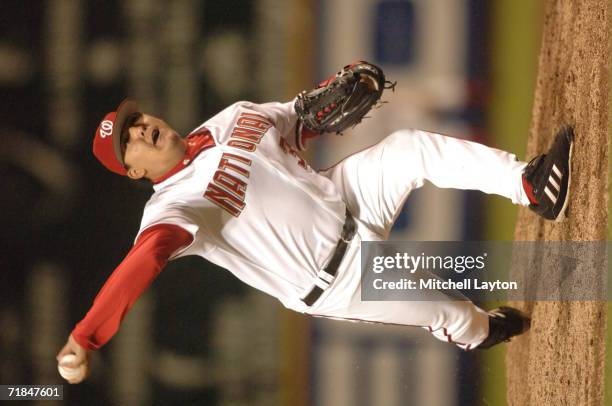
<point>198,336</point>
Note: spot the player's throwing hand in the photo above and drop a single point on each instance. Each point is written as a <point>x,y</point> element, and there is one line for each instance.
<point>73,362</point>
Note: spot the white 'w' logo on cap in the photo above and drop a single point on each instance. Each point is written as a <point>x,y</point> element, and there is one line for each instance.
<point>106,128</point>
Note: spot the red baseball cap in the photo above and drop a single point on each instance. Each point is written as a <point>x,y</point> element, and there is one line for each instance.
<point>107,140</point>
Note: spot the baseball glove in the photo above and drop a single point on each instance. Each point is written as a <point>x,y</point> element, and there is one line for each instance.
<point>342,100</point>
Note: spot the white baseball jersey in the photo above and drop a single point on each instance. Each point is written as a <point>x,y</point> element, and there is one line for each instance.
<point>252,204</point>
<point>256,208</point>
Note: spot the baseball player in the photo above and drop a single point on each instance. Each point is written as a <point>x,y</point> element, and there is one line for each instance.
<point>236,192</point>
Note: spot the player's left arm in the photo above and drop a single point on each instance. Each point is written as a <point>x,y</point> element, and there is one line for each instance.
<point>285,119</point>
<point>282,115</point>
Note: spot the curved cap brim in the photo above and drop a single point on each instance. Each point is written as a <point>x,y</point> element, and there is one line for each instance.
<point>126,108</point>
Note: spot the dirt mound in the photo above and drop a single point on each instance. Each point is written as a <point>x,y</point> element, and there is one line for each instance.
<point>561,360</point>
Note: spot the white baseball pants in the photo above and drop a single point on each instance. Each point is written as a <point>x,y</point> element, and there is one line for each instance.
<point>375,183</point>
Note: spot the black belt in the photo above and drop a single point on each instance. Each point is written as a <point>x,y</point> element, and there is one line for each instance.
<point>329,272</point>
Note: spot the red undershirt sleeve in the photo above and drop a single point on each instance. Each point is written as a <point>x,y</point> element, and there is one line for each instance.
<point>128,281</point>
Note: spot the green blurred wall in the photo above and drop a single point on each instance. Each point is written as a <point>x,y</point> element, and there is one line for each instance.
<point>515,41</point>
<point>515,34</point>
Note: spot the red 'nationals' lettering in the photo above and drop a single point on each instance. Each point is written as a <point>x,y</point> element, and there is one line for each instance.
<point>249,130</point>
<point>227,189</point>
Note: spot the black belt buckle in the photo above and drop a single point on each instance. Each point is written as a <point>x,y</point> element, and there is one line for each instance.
<point>347,234</point>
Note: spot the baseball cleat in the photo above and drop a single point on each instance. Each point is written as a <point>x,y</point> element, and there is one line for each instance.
<point>547,177</point>
<point>505,323</point>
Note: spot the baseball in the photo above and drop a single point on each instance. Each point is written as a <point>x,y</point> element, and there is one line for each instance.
<point>69,373</point>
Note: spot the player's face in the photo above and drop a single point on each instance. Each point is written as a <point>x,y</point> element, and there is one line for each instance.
<point>151,148</point>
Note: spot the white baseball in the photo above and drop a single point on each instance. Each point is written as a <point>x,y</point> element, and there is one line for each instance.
<point>70,373</point>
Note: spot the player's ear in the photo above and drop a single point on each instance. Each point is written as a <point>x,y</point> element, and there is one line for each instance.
<point>136,173</point>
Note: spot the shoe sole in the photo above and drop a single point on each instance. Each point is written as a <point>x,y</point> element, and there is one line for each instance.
<point>561,216</point>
